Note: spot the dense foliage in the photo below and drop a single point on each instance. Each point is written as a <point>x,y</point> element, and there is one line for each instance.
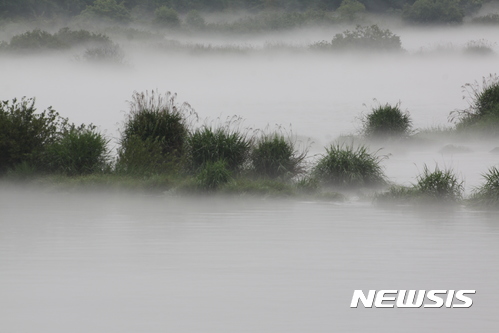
<point>386,121</point>
<point>121,10</point>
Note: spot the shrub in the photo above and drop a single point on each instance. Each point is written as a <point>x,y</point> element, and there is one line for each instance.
<point>387,121</point>
<point>24,134</point>
<point>491,19</point>
<point>208,144</point>
<point>275,156</point>
<point>195,20</point>
<point>488,193</point>
<point>36,39</point>
<point>78,150</point>
<point>363,38</point>
<point>434,11</point>
<point>155,130</point>
<point>107,54</point>
<point>213,174</point>
<point>483,110</point>
<point>166,17</point>
<point>478,47</point>
<point>108,9</point>
<point>351,10</point>
<point>346,166</point>
<point>79,37</point>
<point>439,184</point>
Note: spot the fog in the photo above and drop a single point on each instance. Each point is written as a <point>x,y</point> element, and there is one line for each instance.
<point>83,262</point>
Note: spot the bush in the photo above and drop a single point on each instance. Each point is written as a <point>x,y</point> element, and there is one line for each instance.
<point>108,9</point>
<point>166,17</point>
<point>63,39</point>
<point>105,54</point>
<point>78,150</point>
<point>154,132</point>
<point>441,185</point>
<point>213,174</point>
<point>24,134</point>
<point>387,121</point>
<point>209,145</point>
<point>195,20</point>
<point>351,10</point>
<point>491,19</point>
<point>36,39</point>
<point>363,38</point>
<point>478,47</point>
<point>345,166</point>
<point>275,156</point>
<point>434,11</point>
<point>488,193</point>
<point>483,110</point>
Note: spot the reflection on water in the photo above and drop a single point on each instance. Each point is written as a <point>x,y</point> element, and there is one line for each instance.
<point>130,263</point>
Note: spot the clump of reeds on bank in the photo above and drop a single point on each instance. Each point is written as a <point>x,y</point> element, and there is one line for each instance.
<point>487,194</point>
<point>482,113</point>
<point>387,121</point>
<point>431,187</point>
<point>345,166</point>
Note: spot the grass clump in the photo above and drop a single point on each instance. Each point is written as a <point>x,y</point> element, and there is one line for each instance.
<point>487,195</point>
<point>77,151</point>
<point>209,145</point>
<point>482,113</point>
<point>441,185</point>
<point>213,175</point>
<point>349,167</point>
<point>387,121</point>
<point>154,134</point>
<point>24,133</point>
<point>437,186</point>
<point>274,156</point>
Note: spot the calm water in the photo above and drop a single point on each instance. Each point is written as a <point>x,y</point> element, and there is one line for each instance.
<point>131,263</point>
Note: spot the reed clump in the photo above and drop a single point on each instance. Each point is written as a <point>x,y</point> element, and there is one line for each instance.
<point>348,167</point>
<point>209,144</point>
<point>482,113</point>
<point>275,156</point>
<point>387,121</point>
<point>487,194</point>
<point>154,134</point>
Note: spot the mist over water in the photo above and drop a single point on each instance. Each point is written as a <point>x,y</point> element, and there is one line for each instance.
<point>87,262</point>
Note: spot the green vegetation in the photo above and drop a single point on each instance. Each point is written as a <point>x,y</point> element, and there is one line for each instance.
<point>487,195</point>
<point>387,121</point>
<point>482,113</point>
<point>437,186</point>
<point>194,20</point>
<point>25,134</point>
<point>154,134</point>
<point>274,156</point>
<point>489,19</point>
<point>213,175</point>
<point>434,11</point>
<point>108,9</point>
<point>479,47</point>
<point>166,17</point>
<point>223,143</point>
<point>349,167</point>
<point>77,151</point>
<point>363,38</point>
<point>65,38</point>
<point>351,10</point>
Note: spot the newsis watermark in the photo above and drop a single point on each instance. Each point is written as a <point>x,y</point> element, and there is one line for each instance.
<point>413,298</point>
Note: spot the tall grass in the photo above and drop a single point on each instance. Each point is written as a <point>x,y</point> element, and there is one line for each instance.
<point>275,156</point>
<point>211,144</point>
<point>349,167</point>
<point>386,121</point>
<point>441,185</point>
<point>213,174</point>
<point>77,151</point>
<point>483,106</point>
<point>155,132</point>
<point>487,194</point>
